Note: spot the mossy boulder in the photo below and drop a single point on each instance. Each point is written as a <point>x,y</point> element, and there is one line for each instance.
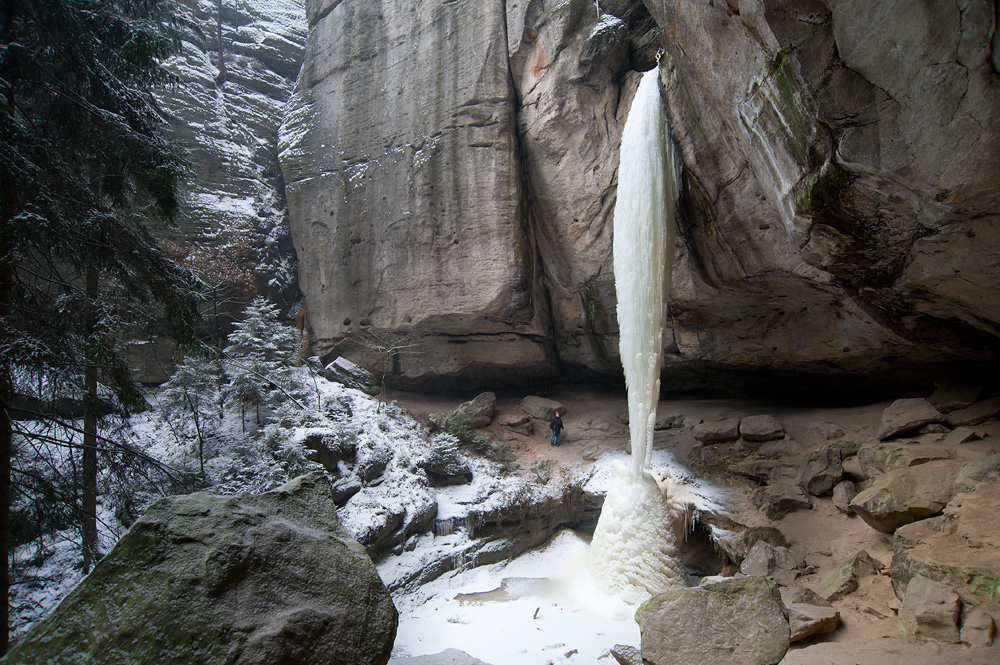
<point>739,621</point>
<point>906,495</point>
<point>246,579</point>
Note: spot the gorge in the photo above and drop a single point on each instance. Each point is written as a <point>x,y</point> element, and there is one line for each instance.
<point>432,191</point>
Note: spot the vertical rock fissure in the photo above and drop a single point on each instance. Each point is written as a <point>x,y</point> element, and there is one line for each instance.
<point>541,301</point>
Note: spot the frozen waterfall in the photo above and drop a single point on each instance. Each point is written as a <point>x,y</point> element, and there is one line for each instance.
<point>634,548</point>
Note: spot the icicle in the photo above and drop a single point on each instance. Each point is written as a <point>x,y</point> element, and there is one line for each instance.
<point>635,545</point>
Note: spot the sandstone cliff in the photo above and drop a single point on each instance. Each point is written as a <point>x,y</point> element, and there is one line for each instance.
<point>450,169</point>
<point>226,108</point>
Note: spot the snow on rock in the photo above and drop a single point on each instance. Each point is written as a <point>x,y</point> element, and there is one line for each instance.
<point>229,124</point>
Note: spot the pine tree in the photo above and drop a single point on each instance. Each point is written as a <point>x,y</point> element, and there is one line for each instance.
<point>83,169</point>
<point>191,396</point>
<point>261,358</point>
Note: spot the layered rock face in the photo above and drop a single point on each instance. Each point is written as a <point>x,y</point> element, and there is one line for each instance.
<point>451,173</point>
<point>226,109</point>
<point>235,68</point>
<point>402,168</point>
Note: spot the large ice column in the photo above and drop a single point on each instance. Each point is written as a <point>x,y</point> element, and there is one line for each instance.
<point>643,254</point>
<point>635,545</point>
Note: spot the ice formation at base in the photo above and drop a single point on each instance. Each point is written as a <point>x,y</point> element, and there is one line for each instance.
<point>635,544</point>
<point>634,550</point>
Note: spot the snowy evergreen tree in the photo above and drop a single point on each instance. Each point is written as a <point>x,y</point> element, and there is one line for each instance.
<point>261,360</point>
<point>191,402</point>
<point>83,169</point>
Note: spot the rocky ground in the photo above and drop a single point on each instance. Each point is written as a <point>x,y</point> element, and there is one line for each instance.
<point>910,460</point>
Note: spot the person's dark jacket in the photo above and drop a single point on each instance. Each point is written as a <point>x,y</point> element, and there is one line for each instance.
<point>556,425</point>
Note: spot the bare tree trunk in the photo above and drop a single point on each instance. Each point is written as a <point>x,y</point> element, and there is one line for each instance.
<point>6,307</point>
<point>89,485</point>
<point>6,436</point>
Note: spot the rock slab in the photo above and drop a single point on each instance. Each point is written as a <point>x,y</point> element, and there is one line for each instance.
<point>906,415</point>
<point>718,431</point>
<point>242,580</point>
<point>906,495</point>
<point>961,548</point>
<point>740,621</point>
<point>761,428</point>
<point>930,609</point>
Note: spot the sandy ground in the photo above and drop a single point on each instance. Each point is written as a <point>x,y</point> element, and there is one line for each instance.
<point>824,536</point>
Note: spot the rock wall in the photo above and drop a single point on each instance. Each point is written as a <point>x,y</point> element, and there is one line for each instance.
<point>451,173</point>
<point>234,226</point>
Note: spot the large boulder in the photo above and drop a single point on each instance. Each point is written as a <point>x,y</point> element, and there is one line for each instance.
<point>930,609</point>
<point>821,469</point>
<point>907,415</point>
<point>246,579</point>
<point>740,621</point>
<point>960,548</point>
<point>906,495</point>
<point>479,410</point>
<point>541,407</point>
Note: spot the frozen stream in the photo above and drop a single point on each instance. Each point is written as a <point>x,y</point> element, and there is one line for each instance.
<point>539,608</point>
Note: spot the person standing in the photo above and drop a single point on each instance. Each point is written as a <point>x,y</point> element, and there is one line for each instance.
<point>556,426</point>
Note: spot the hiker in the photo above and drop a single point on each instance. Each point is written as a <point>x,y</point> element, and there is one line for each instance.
<point>556,426</point>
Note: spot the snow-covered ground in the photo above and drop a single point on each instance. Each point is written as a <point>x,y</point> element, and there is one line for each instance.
<point>542,607</point>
